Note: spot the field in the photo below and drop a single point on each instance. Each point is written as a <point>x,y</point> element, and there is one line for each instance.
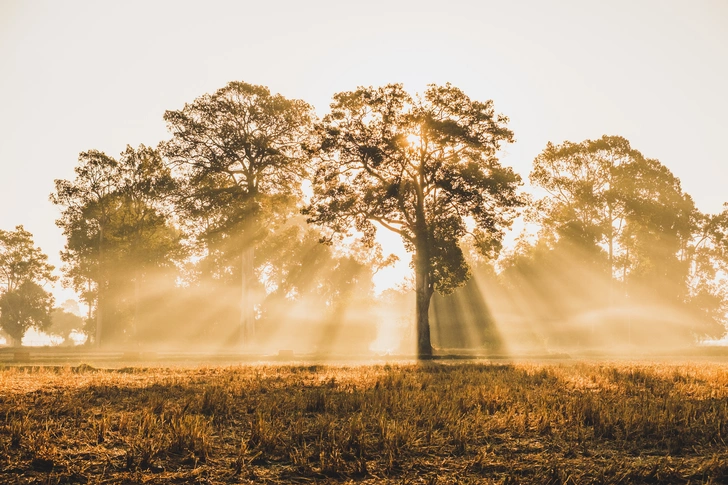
<point>435,422</point>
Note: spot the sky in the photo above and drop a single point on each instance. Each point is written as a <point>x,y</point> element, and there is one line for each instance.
<point>79,75</point>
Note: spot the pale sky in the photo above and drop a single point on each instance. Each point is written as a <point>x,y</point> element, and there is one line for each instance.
<point>80,75</point>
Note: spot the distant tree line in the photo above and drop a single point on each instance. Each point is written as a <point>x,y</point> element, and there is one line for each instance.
<point>256,221</point>
<point>619,239</point>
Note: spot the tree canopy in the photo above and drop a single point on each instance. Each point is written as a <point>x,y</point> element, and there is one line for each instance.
<point>616,230</point>
<point>115,218</point>
<point>21,260</point>
<point>240,156</point>
<point>605,195</point>
<point>24,303</point>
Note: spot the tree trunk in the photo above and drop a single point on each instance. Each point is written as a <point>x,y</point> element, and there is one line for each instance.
<point>610,235</point>
<point>247,310</point>
<point>99,283</point>
<point>423,293</point>
<point>89,302</point>
<point>135,321</point>
<point>99,317</point>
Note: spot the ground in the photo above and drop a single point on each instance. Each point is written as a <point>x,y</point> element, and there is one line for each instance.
<point>433,422</point>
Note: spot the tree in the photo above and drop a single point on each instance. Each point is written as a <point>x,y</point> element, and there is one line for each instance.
<point>21,261</point>
<point>23,267</point>
<point>26,306</point>
<point>424,167</point>
<point>145,243</point>
<point>605,196</point>
<point>65,321</point>
<point>240,155</point>
<point>606,200</point>
<point>708,273</point>
<point>585,183</point>
<point>86,203</point>
<point>660,220</point>
<point>118,233</point>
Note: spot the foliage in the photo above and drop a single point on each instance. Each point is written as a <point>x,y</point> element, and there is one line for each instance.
<point>239,157</point>
<point>23,268</point>
<point>23,307</point>
<point>219,220</point>
<point>63,323</point>
<point>608,205</point>
<point>708,274</point>
<point>424,167</point>
<point>119,234</point>
<point>21,261</point>
<point>606,196</point>
<point>85,214</point>
<point>660,222</point>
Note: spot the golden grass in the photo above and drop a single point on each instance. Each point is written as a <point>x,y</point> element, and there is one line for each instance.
<point>433,422</point>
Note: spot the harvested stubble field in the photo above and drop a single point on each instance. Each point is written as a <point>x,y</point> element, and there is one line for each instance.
<point>433,422</point>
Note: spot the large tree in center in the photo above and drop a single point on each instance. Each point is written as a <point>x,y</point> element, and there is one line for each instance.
<point>239,153</point>
<point>425,167</point>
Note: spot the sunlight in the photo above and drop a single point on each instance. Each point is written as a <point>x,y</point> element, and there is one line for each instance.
<point>413,140</point>
<point>394,329</point>
<point>36,338</point>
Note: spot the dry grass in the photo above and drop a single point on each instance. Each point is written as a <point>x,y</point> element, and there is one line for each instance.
<point>422,423</point>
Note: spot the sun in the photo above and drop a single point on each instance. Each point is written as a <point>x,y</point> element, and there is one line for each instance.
<point>413,140</point>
